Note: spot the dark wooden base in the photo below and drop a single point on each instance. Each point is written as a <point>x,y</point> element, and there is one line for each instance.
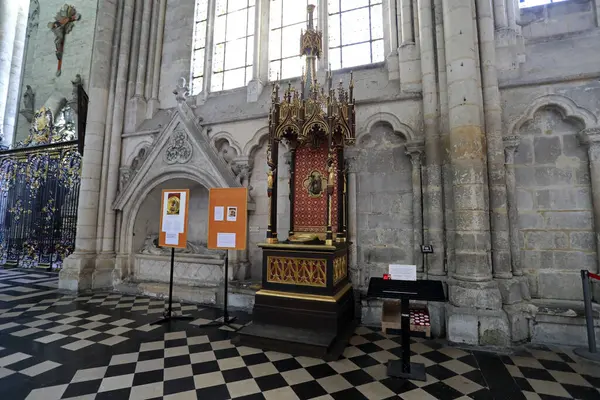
<point>299,326</point>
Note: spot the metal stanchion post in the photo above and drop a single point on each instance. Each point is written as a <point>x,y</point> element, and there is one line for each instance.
<point>591,353</point>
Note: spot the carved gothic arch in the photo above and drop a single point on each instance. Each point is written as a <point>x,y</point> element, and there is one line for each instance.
<point>564,105</point>
<point>390,119</point>
<point>158,177</point>
<point>194,154</point>
<point>223,135</point>
<point>256,142</point>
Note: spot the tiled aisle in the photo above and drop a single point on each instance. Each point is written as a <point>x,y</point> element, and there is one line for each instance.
<point>101,346</point>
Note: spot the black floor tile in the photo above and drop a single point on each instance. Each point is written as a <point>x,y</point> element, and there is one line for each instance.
<point>226,353</point>
<point>364,361</point>
<point>536,373</point>
<point>144,378</point>
<point>177,361</point>
<point>205,367</point>
<point>441,391</point>
<point>179,385</point>
<point>349,394</point>
<point>82,388</point>
<point>309,390</point>
<point>218,392</point>
<point>582,392</point>
<point>321,371</point>
<point>254,359</point>
<point>288,364</point>
<point>236,374</point>
<point>270,382</point>
<point>121,394</point>
<point>556,365</point>
<point>358,377</point>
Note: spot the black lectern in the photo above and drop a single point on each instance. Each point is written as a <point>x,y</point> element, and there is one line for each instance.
<point>405,291</point>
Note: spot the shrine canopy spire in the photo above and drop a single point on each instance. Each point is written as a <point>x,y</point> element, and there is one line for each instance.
<point>313,113</point>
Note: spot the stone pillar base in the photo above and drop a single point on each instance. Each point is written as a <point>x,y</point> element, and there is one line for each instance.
<point>121,271</point>
<point>76,274</point>
<point>255,88</point>
<point>514,291</point>
<point>102,277</point>
<point>392,64</point>
<point>477,327</point>
<point>476,295</point>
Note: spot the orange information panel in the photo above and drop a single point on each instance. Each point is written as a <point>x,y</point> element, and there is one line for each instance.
<point>174,218</point>
<point>227,218</point>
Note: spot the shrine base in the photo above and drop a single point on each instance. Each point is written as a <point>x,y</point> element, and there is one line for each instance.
<point>298,326</point>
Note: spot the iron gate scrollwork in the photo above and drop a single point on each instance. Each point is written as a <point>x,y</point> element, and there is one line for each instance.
<point>39,191</point>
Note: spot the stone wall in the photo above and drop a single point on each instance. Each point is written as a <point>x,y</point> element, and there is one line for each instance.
<point>41,62</point>
<point>558,18</point>
<point>384,202</point>
<point>555,205</point>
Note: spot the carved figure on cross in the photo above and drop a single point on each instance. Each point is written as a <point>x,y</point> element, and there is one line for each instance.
<point>62,25</point>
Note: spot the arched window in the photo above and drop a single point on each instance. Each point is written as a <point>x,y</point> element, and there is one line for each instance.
<point>355,33</point>
<point>287,19</point>
<point>533,3</point>
<point>199,46</point>
<point>234,44</point>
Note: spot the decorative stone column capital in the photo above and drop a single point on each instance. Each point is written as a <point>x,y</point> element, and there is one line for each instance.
<point>351,155</point>
<point>415,151</point>
<point>510,147</point>
<point>590,137</point>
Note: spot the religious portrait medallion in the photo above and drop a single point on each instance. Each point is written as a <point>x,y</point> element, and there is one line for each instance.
<point>173,204</point>
<point>315,184</point>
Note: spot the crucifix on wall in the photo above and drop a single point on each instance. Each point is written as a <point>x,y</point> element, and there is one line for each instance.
<point>63,24</point>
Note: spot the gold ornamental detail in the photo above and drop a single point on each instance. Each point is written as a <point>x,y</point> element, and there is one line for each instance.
<point>297,271</point>
<point>340,268</point>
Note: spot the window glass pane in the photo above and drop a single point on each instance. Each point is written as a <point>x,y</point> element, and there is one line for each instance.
<point>291,41</point>
<point>236,24</point>
<point>235,54</point>
<point>197,85</point>
<point>200,35</point>
<point>251,18</point>
<point>216,83</point>
<point>201,10</point>
<point>235,5</point>
<point>533,3</point>
<point>234,79</point>
<point>333,6</point>
<point>220,23</point>
<point>335,58</point>
<point>250,50</point>
<point>275,44</point>
<point>198,63</point>
<point>357,54</point>
<point>291,67</point>
<point>275,14</point>
<point>251,3</point>
<point>248,74</point>
<point>221,7</point>
<point>350,4</point>
<point>377,51</point>
<point>376,22</point>
<point>334,30</point>
<point>218,57</point>
<point>294,11</point>
<point>274,70</point>
<point>355,26</point>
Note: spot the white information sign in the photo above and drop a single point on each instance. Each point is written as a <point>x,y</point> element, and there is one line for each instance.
<point>225,240</point>
<point>172,238</point>
<point>219,213</point>
<point>174,212</point>
<point>401,272</point>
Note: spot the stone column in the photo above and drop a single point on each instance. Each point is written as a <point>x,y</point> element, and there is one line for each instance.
<point>447,199</point>
<point>77,268</point>
<point>500,16</point>
<point>513,14</point>
<point>106,259</point>
<point>472,286</point>
<point>591,138</point>
<point>415,151</point>
<point>208,54</point>
<point>151,51</point>
<point>353,268</point>
<point>153,104</point>
<point>408,52</point>
<point>511,143</point>
<point>501,265</point>
<point>434,226</point>
<point>260,66</point>
<point>9,11</point>
<point>16,73</point>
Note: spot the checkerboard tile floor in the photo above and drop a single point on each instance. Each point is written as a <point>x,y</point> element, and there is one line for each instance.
<point>45,355</point>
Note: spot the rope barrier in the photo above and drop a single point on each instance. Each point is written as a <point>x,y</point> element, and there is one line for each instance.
<point>594,276</point>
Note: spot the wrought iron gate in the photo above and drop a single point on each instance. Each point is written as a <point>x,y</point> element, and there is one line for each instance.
<point>39,190</point>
